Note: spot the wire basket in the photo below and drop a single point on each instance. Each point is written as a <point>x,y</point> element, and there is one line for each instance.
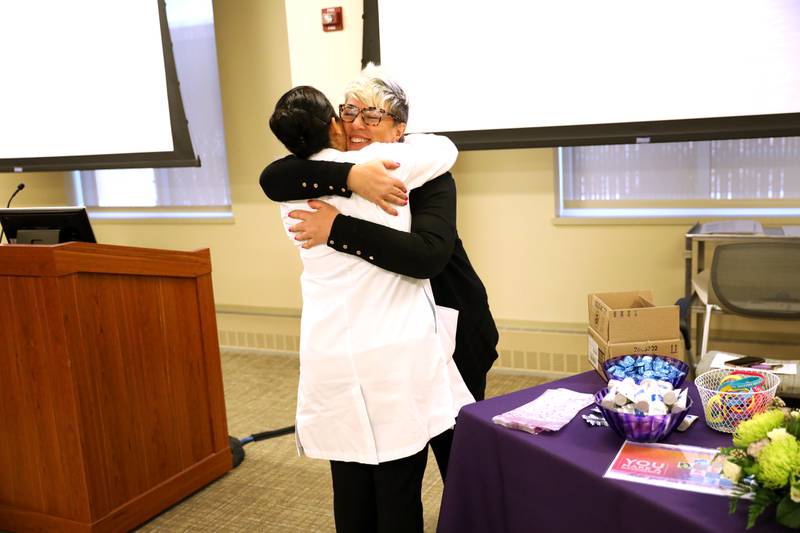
<point>724,410</point>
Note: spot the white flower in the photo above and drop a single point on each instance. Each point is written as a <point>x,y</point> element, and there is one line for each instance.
<point>731,471</point>
<point>754,449</point>
<point>778,433</point>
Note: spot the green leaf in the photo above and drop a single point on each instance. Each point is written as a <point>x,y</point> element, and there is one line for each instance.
<point>737,492</point>
<point>753,512</point>
<point>788,513</point>
<point>748,463</point>
<point>751,469</point>
<point>763,499</point>
<point>793,425</point>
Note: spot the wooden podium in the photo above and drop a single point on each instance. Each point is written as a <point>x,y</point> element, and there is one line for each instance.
<point>111,398</point>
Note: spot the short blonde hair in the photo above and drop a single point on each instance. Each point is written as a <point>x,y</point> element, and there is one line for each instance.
<point>375,88</point>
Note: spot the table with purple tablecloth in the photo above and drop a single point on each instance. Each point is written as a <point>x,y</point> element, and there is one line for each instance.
<point>504,480</point>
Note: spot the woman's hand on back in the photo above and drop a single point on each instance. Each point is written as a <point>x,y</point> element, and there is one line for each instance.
<point>315,226</point>
<point>371,180</point>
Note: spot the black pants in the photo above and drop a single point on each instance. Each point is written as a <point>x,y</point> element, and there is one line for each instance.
<point>380,498</point>
<point>441,444</point>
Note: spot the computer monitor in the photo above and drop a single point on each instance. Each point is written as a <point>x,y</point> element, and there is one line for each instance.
<point>46,225</point>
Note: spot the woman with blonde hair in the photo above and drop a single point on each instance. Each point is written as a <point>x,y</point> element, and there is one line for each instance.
<point>432,250</point>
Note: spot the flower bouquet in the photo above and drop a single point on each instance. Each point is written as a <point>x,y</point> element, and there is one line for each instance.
<point>764,463</point>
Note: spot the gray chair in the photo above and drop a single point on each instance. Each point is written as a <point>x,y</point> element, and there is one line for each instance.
<point>753,279</point>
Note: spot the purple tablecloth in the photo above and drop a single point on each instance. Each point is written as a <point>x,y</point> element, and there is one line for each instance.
<point>503,480</point>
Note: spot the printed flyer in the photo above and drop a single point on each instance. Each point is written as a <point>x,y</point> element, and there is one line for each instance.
<point>676,467</point>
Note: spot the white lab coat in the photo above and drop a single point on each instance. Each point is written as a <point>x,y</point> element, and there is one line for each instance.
<point>377,379</point>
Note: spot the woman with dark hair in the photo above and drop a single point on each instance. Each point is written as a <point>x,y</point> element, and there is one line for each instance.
<point>376,378</point>
<point>305,122</point>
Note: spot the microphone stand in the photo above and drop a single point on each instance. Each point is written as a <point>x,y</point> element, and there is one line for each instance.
<point>8,204</point>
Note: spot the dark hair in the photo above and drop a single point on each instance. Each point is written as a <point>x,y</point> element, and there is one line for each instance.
<point>301,119</point>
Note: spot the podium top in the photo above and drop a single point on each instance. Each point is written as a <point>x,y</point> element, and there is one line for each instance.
<point>73,257</point>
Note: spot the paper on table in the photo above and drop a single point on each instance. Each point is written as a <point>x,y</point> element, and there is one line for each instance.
<point>732,226</point>
<point>672,466</point>
<point>778,367</point>
<point>549,412</point>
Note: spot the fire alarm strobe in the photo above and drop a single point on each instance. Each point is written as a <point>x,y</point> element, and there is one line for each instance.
<point>332,19</point>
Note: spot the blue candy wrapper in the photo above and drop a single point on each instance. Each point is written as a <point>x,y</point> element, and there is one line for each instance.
<point>641,367</point>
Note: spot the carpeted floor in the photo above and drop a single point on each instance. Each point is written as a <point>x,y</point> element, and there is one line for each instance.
<point>274,490</point>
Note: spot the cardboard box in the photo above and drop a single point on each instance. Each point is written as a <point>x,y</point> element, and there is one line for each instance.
<point>601,350</point>
<point>631,316</point>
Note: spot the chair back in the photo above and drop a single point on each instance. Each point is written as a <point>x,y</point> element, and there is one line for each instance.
<point>758,279</point>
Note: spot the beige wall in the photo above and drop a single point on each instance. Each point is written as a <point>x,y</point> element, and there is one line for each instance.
<point>41,188</point>
<point>534,270</point>
<point>325,60</point>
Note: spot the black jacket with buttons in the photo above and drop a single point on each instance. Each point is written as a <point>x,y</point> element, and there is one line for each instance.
<point>431,250</point>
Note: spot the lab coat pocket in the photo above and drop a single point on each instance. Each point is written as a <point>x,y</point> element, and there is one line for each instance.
<point>332,419</point>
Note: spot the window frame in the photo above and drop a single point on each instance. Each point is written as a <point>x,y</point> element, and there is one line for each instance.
<point>664,212</point>
<point>176,212</point>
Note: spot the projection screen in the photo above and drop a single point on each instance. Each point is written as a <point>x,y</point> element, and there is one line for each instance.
<point>89,84</point>
<point>508,73</point>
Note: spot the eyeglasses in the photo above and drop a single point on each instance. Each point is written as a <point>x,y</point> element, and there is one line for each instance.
<point>371,116</point>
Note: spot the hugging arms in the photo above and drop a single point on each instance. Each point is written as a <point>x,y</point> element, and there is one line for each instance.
<point>422,253</point>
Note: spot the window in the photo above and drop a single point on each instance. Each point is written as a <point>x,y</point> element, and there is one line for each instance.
<point>746,177</point>
<point>192,191</point>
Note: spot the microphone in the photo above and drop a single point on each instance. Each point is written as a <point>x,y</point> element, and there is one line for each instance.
<point>8,204</point>
<point>19,188</point>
